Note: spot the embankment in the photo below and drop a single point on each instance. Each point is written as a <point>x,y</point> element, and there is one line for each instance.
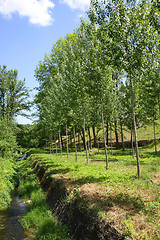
<point>74,210</point>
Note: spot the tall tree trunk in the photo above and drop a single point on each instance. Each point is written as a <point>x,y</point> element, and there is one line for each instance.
<point>67,140</point>
<point>98,146</point>
<point>79,142</point>
<point>50,141</point>
<point>154,130</point>
<point>90,142</point>
<point>97,141</point>
<point>134,125</point>
<point>60,144</point>
<point>111,138</point>
<point>70,140</point>
<point>94,136</point>
<point>116,134</point>
<point>75,145</point>
<point>83,139</point>
<point>84,128</point>
<point>52,149</point>
<point>122,136</point>
<point>107,131</point>
<point>3,103</point>
<point>104,135</point>
<point>7,107</point>
<point>55,141</point>
<point>132,144</point>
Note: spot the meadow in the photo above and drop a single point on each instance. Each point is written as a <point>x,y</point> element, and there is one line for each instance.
<point>129,203</point>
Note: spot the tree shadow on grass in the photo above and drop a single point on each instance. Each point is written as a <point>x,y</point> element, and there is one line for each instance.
<point>97,160</point>
<point>129,203</point>
<point>104,160</point>
<point>91,179</point>
<point>144,162</point>
<point>113,160</point>
<point>134,163</point>
<point>51,164</point>
<point>152,154</point>
<point>88,179</point>
<point>55,168</point>
<point>120,152</point>
<point>126,201</point>
<point>60,170</point>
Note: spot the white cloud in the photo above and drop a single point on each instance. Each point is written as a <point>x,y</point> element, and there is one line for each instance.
<point>77,4</point>
<point>38,11</point>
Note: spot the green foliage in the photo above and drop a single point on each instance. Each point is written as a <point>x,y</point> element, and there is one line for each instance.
<point>8,174</point>
<point>105,71</point>
<point>146,131</point>
<point>109,66</point>
<point>130,231</point>
<point>8,181</point>
<point>74,194</point>
<point>29,136</point>
<point>13,94</point>
<point>7,138</point>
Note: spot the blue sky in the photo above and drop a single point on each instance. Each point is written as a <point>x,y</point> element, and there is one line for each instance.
<point>29,28</point>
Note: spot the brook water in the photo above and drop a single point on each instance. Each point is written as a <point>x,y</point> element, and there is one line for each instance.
<point>10,227</point>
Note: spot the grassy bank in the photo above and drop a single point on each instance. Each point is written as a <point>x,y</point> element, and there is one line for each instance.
<point>132,205</point>
<point>8,180</point>
<point>38,220</point>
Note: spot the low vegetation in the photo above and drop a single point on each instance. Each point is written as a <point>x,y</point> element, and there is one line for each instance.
<point>8,180</point>
<point>118,196</point>
<point>38,220</point>
<point>8,156</point>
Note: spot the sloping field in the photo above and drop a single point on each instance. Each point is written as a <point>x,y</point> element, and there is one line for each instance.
<point>129,204</point>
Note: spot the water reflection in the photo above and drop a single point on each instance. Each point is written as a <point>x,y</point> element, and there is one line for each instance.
<point>10,227</point>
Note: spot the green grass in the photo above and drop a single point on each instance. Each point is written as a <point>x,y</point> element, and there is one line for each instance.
<point>8,180</point>
<point>39,219</point>
<point>144,132</point>
<point>135,207</point>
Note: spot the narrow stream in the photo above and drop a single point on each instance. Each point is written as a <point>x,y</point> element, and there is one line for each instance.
<point>10,227</point>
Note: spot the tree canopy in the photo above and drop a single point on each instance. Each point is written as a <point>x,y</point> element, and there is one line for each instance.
<point>13,94</point>
<point>105,72</point>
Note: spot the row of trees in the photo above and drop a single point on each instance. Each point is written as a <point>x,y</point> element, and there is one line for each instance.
<point>107,72</point>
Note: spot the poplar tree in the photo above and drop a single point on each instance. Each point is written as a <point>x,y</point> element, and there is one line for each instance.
<point>128,25</point>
